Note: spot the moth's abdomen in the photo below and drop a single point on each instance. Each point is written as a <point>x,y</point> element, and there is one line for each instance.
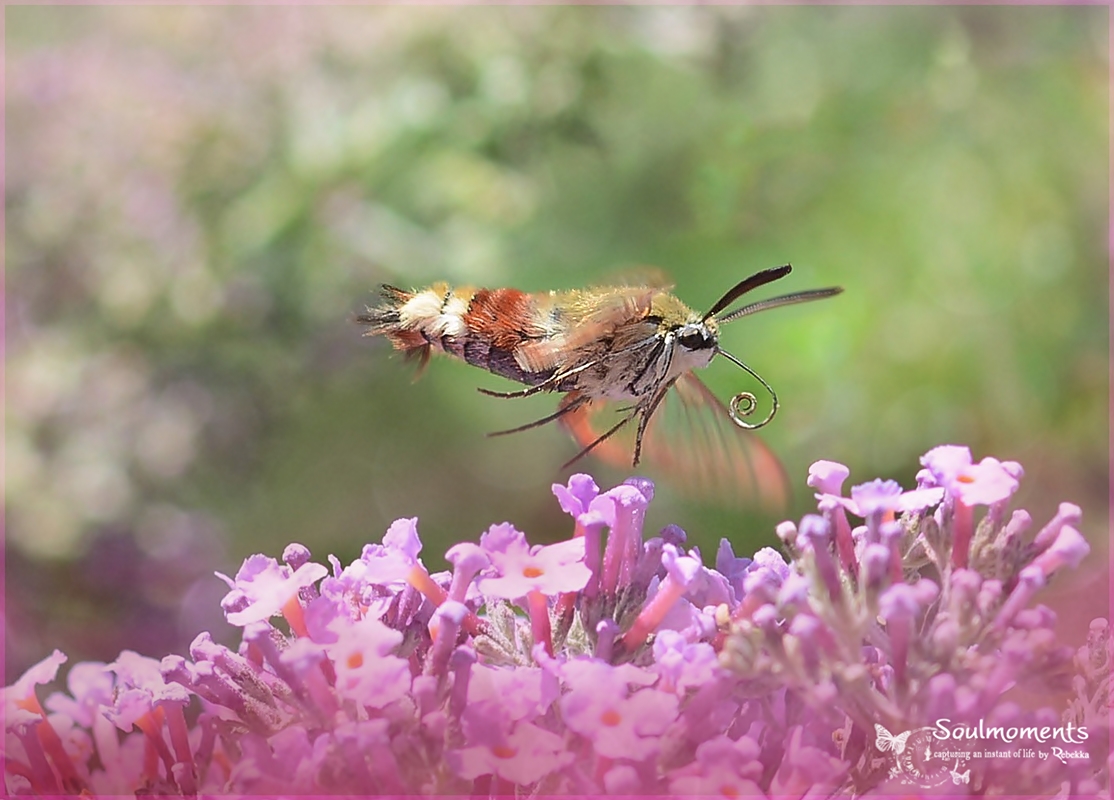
<point>481,326</point>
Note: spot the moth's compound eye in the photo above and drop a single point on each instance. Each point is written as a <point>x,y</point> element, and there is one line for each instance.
<point>696,338</point>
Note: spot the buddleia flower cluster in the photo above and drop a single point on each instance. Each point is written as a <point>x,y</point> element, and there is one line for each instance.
<point>609,663</point>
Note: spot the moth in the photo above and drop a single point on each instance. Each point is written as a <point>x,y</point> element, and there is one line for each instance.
<point>635,345</point>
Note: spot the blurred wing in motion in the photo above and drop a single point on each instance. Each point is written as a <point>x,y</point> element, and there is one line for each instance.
<point>692,440</point>
<point>591,319</point>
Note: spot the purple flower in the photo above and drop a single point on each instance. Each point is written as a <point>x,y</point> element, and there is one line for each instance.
<point>522,757</point>
<point>521,569</point>
<point>264,588</point>
<point>827,477</point>
<point>523,693</point>
<point>887,497</point>
<point>681,571</point>
<point>683,664</point>
<point>467,560</point>
<point>623,510</point>
<point>366,670</point>
<point>990,482</point>
<point>635,670</point>
<point>90,686</point>
<point>723,768</point>
<point>1069,548</point>
<point>24,717</point>
<point>390,563</point>
<point>986,483</point>
<point>806,769</point>
<point>21,705</point>
<point>575,497</point>
<point>619,723</point>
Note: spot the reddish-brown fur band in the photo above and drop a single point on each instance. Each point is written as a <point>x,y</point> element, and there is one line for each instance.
<point>501,316</point>
<point>407,341</point>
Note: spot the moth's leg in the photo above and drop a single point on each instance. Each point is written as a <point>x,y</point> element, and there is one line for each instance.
<point>556,378</point>
<point>653,356</point>
<point>553,380</point>
<point>569,404</point>
<point>646,412</point>
<point>599,440</point>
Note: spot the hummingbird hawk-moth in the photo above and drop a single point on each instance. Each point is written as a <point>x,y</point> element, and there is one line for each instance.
<point>637,345</point>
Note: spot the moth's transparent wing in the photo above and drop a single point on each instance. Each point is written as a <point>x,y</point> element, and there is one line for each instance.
<point>590,318</point>
<point>641,276</point>
<point>692,441</point>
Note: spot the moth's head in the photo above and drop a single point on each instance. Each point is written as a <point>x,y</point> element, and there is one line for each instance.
<point>699,335</point>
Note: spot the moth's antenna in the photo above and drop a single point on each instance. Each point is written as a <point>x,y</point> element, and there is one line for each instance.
<point>748,401</point>
<point>747,285</point>
<point>781,300</point>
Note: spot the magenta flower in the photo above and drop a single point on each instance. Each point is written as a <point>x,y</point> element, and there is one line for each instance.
<point>47,767</point>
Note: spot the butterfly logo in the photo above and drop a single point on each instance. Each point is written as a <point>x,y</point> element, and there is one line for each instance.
<point>960,777</point>
<point>886,741</point>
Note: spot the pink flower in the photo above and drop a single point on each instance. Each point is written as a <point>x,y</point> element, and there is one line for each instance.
<point>366,669</point>
<point>683,664</point>
<point>523,692</point>
<point>620,723</point>
<point>723,768</point>
<point>521,569</point>
<point>806,770</point>
<point>263,588</point>
<point>21,705</point>
<point>1069,548</point>
<point>880,497</point>
<point>577,495</point>
<point>990,482</point>
<point>827,477</point>
<point>391,562</point>
<point>986,483</point>
<point>524,756</point>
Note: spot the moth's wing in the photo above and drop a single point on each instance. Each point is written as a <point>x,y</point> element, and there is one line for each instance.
<point>582,322</point>
<point>641,276</point>
<point>692,441</point>
<point>693,437</point>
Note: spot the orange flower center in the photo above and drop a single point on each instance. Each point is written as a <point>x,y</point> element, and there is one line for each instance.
<point>533,572</point>
<point>611,718</point>
<point>728,790</point>
<point>504,751</point>
<point>354,661</point>
<point>966,479</point>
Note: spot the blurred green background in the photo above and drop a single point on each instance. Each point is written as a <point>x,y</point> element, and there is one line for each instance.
<point>198,200</point>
